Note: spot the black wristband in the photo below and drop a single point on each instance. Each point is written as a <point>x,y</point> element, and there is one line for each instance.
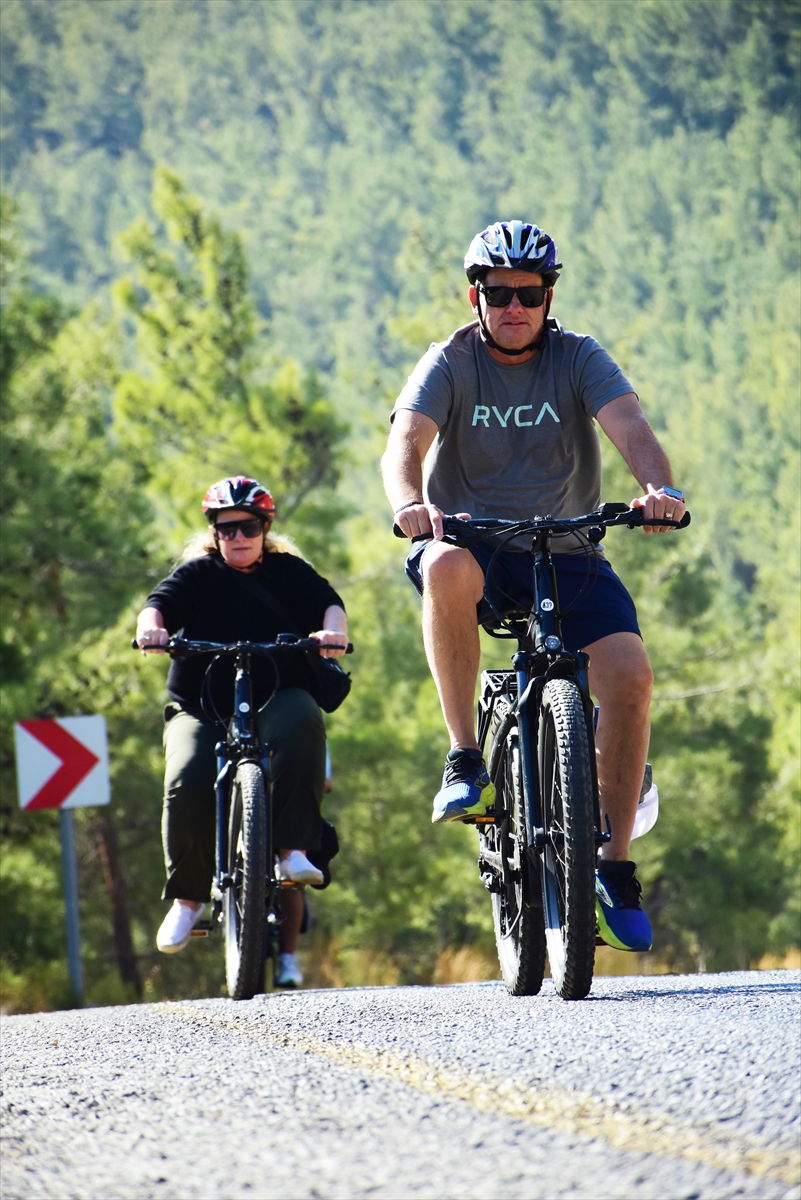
<point>408,504</point>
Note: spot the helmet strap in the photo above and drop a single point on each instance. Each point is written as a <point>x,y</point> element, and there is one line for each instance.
<point>490,340</point>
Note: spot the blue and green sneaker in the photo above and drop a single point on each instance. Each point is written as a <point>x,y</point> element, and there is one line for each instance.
<point>466,788</point>
<point>621,920</point>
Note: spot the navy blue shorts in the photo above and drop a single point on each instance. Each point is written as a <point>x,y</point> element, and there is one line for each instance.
<point>593,601</point>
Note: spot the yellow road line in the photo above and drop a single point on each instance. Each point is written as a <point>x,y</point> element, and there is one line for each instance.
<point>572,1112</point>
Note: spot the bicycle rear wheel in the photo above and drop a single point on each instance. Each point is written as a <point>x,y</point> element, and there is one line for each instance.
<point>568,861</point>
<point>244,902</point>
<point>516,903</point>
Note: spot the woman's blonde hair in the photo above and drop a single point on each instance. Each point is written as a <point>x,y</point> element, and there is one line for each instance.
<point>206,543</point>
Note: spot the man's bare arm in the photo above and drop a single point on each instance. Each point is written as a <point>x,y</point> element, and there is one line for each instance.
<point>410,437</point>
<point>624,423</point>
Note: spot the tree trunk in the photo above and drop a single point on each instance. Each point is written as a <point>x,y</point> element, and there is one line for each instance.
<point>118,895</point>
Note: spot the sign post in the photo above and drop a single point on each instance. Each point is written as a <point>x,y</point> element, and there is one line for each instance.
<point>69,868</point>
<point>63,764</point>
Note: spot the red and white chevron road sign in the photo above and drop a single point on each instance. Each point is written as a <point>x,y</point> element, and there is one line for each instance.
<point>62,763</point>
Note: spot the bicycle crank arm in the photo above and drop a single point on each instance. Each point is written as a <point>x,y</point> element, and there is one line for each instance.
<point>220,885</point>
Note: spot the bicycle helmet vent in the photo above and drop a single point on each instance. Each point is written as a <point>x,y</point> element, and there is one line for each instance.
<point>513,244</point>
<point>239,492</point>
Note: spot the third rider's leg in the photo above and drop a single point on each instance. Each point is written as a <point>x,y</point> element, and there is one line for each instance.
<point>453,584</point>
<point>292,725</point>
<point>292,913</point>
<point>621,681</point>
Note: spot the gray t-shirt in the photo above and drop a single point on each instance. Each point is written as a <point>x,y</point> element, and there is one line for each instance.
<point>514,441</point>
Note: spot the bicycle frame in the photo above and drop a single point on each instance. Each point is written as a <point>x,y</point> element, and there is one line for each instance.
<point>542,880</point>
<point>533,668</point>
<point>241,745</point>
<point>548,659</point>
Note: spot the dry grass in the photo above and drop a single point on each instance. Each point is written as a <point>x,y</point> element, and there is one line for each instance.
<point>465,965</point>
<point>620,962</point>
<point>327,965</point>
<point>771,962</point>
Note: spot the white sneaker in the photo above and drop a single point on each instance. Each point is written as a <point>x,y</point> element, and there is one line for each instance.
<point>297,868</point>
<point>288,974</point>
<point>176,928</point>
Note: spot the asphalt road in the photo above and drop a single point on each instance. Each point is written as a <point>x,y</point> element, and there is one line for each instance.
<point>666,1086</point>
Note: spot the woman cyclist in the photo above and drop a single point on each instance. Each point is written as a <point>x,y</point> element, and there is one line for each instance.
<point>243,584</point>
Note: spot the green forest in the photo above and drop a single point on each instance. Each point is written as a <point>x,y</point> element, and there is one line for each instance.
<point>229,230</point>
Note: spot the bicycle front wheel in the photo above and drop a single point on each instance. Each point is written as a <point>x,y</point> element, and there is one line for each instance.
<point>516,904</point>
<point>568,860</point>
<point>244,903</point>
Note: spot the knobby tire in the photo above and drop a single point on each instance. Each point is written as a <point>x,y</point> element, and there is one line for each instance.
<point>517,907</point>
<point>568,861</point>
<point>244,903</point>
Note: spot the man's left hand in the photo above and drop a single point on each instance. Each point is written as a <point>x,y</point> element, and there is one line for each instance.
<point>657,506</point>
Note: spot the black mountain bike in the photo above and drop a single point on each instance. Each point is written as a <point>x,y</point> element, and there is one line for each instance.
<point>539,841</point>
<point>246,887</point>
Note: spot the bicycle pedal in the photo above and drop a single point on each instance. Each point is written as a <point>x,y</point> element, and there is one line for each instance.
<point>202,929</point>
<point>491,816</point>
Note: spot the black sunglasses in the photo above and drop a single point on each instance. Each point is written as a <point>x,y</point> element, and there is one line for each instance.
<point>251,528</point>
<point>499,297</point>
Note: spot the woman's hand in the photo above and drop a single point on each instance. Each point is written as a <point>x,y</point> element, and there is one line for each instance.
<point>333,637</point>
<point>151,636</point>
<point>333,643</point>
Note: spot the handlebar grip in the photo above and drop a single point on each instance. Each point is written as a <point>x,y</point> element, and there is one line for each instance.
<point>314,642</point>
<point>135,646</point>
<point>633,520</point>
<point>418,537</point>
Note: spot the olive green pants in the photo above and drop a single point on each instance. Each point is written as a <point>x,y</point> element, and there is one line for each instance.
<point>292,725</point>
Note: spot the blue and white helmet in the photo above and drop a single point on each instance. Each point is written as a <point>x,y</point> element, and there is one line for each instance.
<point>513,244</point>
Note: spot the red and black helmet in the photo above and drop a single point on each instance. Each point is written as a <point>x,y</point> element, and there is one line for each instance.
<point>239,492</point>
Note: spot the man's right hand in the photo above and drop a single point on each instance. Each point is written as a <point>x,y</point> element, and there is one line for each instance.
<point>420,519</point>
<point>429,520</point>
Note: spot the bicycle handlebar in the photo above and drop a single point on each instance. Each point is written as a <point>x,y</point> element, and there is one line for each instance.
<point>178,647</point>
<point>460,533</point>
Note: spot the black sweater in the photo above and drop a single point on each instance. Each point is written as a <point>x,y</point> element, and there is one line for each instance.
<point>206,600</point>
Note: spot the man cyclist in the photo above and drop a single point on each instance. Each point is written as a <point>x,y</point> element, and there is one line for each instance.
<point>498,421</point>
